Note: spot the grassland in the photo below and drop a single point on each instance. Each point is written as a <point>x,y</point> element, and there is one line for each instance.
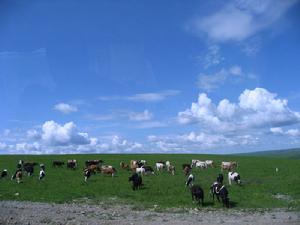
<point>260,182</point>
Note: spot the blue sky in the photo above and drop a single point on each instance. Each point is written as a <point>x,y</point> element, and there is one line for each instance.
<point>149,76</point>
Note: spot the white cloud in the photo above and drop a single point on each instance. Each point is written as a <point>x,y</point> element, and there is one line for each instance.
<point>143,97</point>
<point>239,21</point>
<point>65,108</point>
<point>3,146</point>
<point>143,116</point>
<point>276,130</point>
<point>291,132</point>
<point>33,134</point>
<point>212,57</point>
<point>257,108</point>
<point>55,134</point>
<point>210,82</point>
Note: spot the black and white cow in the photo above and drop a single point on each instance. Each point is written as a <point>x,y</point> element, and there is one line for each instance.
<point>42,172</point>
<point>223,193</point>
<point>234,176</point>
<point>136,180</point>
<point>190,180</point>
<point>87,173</point>
<point>197,194</point>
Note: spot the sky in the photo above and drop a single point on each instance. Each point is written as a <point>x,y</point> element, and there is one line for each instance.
<point>142,76</point>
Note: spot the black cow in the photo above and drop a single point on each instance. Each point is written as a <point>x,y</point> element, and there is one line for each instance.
<point>220,178</point>
<point>29,169</point>
<point>197,194</point>
<point>58,163</point>
<point>137,181</point>
<point>223,192</point>
<point>4,173</point>
<point>93,162</point>
<point>148,170</point>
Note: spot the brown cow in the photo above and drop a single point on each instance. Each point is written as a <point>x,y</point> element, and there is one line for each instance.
<point>108,170</point>
<point>228,166</point>
<point>124,166</point>
<point>94,168</point>
<point>133,164</point>
<point>186,170</point>
<point>19,176</point>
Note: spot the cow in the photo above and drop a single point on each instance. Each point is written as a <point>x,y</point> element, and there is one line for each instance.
<point>29,169</point>
<point>108,170</point>
<point>93,162</point>
<point>58,163</point>
<point>197,194</point>
<point>214,190</point>
<point>124,165</point>
<point>86,173</point>
<point>29,164</point>
<point>159,166</point>
<point>228,166</point>
<point>172,169</point>
<point>42,172</point>
<point>140,170</point>
<point>4,173</point>
<point>190,180</point>
<point>209,163</point>
<point>223,193</point>
<point>187,170</point>
<point>201,164</point>
<point>186,165</point>
<point>72,164</point>
<point>220,178</point>
<point>133,164</point>
<point>17,175</point>
<point>148,170</point>
<point>93,168</point>
<point>136,180</point>
<point>168,164</point>
<point>234,176</point>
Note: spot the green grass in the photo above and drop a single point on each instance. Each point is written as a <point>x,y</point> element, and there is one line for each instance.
<point>260,182</point>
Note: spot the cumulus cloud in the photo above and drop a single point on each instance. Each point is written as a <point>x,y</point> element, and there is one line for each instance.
<point>210,82</point>
<point>240,20</point>
<point>256,108</point>
<point>290,132</point>
<point>33,134</point>
<point>67,134</point>
<point>65,108</point>
<point>143,116</point>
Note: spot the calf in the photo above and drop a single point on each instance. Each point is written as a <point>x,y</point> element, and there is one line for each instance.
<point>234,176</point>
<point>108,170</point>
<point>136,180</point>
<point>197,194</point>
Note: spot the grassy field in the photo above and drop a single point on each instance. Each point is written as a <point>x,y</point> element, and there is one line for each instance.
<point>260,182</point>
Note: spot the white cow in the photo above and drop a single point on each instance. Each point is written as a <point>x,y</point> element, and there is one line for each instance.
<point>201,164</point>
<point>168,164</point>
<point>140,170</point>
<point>159,166</point>
<point>209,163</point>
<point>194,161</point>
<point>234,176</point>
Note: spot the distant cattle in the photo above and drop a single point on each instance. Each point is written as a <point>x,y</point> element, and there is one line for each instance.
<point>197,194</point>
<point>86,173</point>
<point>58,163</point>
<point>159,166</point>
<point>228,166</point>
<point>93,162</point>
<point>29,169</point>
<point>72,164</point>
<point>17,175</point>
<point>109,170</point>
<point>234,176</point>
<point>172,169</point>
<point>42,173</point>
<point>94,168</point>
<point>136,180</point>
<point>29,164</point>
<point>186,165</point>
<point>168,164</point>
<point>201,164</point>
<point>4,173</point>
<point>124,165</point>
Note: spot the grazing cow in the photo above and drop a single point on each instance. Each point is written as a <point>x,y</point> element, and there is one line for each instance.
<point>228,166</point>
<point>214,190</point>
<point>58,163</point>
<point>194,161</point>
<point>168,164</point>
<point>172,169</point>
<point>209,163</point>
<point>87,173</point>
<point>197,194</point>
<point>190,180</point>
<point>108,170</point>
<point>133,164</point>
<point>187,170</point>
<point>124,166</point>
<point>220,178</point>
<point>186,165</point>
<point>29,169</point>
<point>201,164</point>
<point>42,172</point>
<point>72,164</point>
<point>140,170</point>
<point>148,170</point>
<point>4,173</point>
<point>234,176</point>
<point>93,162</point>
<point>159,166</point>
<point>94,168</point>
<point>136,180</point>
<point>29,164</point>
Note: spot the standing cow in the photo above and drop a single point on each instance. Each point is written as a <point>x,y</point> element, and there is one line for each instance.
<point>234,176</point>
<point>136,180</point>
<point>197,194</point>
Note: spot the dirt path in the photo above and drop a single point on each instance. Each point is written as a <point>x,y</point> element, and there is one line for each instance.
<point>25,213</point>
